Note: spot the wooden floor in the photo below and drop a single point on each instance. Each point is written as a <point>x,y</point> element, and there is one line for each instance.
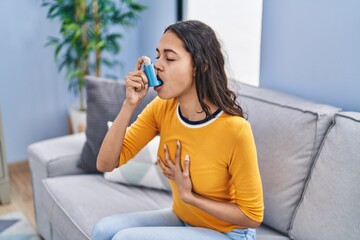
<point>21,198</point>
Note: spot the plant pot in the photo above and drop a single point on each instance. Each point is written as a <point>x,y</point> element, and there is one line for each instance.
<point>77,119</point>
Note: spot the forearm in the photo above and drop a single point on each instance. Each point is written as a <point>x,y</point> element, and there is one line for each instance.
<point>228,212</point>
<point>108,157</point>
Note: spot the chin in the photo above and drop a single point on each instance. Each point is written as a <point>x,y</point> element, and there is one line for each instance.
<point>165,95</point>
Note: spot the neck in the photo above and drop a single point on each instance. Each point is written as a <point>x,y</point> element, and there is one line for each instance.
<point>191,108</point>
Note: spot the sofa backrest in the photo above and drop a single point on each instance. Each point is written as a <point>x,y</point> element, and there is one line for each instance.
<point>288,132</point>
<point>330,207</point>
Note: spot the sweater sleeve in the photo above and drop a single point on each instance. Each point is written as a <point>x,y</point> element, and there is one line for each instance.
<point>245,175</point>
<point>140,132</point>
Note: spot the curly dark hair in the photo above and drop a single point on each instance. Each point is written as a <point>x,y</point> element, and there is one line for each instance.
<point>210,78</point>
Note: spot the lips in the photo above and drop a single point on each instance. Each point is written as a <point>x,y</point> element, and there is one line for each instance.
<point>157,88</point>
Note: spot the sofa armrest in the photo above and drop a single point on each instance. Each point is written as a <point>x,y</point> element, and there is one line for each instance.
<point>50,158</point>
<point>57,156</point>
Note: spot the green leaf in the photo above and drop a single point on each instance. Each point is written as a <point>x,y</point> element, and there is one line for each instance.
<point>52,41</point>
<point>57,50</point>
<point>137,7</point>
<point>100,44</point>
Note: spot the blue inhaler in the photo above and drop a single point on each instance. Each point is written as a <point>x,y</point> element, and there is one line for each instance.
<point>150,73</point>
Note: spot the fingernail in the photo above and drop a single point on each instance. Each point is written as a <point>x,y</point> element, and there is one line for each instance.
<point>178,142</point>
<point>187,158</point>
<point>164,146</point>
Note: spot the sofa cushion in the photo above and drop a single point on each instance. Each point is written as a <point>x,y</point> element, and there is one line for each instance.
<point>266,233</point>
<point>142,170</point>
<point>104,101</point>
<point>330,207</point>
<point>75,203</point>
<point>287,131</point>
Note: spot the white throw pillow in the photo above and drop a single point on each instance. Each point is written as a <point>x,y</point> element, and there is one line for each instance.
<point>142,170</point>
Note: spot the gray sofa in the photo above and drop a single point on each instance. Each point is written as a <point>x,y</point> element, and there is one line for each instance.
<point>309,158</point>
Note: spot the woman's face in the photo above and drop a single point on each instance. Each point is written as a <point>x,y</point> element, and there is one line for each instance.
<point>174,68</point>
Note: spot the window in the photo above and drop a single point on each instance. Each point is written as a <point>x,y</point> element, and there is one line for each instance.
<point>238,26</point>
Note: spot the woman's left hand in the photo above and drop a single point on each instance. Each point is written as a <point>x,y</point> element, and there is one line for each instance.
<point>177,173</point>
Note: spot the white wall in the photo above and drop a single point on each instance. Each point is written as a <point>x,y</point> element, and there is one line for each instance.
<point>238,25</point>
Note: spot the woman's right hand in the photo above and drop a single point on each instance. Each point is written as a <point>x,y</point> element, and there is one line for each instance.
<point>136,84</point>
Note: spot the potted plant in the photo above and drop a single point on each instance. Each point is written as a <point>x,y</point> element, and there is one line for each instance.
<point>85,35</point>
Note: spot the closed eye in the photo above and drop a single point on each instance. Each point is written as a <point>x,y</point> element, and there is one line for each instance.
<point>167,59</point>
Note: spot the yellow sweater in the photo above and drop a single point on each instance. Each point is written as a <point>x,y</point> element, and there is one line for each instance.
<point>223,160</point>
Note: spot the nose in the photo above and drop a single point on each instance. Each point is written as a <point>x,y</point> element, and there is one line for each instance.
<point>157,66</point>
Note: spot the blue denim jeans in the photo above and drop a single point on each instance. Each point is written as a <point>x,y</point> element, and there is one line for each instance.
<point>159,225</point>
<point>242,234</point>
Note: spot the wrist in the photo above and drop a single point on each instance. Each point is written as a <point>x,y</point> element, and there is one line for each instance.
<point>126,112</point>
<point>129,105</point>
<point>189,198</point>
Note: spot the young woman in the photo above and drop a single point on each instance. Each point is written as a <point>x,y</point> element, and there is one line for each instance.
<point>207,147</point>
